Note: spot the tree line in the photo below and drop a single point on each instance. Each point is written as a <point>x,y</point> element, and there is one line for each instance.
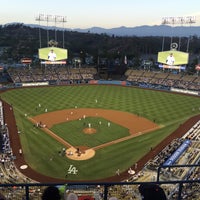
<point>18,41</point>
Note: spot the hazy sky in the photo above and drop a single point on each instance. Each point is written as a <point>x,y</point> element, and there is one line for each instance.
<point>101,13</point>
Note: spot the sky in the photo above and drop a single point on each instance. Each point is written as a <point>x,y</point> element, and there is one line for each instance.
<point>98,13</point>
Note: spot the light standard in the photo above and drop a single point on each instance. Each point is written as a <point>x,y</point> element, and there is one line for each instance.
<point>179,20</point>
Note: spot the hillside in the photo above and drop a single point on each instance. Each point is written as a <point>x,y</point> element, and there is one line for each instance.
<point>19,40</point>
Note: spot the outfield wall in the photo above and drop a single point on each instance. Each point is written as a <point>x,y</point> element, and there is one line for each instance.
<point>109,82</point>
<point>184,91</point>
<point>104,82</point>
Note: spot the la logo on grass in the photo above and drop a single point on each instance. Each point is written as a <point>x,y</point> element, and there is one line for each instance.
<point>72,170</point>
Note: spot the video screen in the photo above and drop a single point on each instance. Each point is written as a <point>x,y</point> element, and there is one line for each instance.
<point>173,58</point>
<point>53,54</point>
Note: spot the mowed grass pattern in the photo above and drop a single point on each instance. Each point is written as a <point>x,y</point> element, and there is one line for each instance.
<point>42,152</point>
<point>73,132</point>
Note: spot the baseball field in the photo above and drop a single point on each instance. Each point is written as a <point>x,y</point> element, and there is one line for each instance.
<point>92,132</point>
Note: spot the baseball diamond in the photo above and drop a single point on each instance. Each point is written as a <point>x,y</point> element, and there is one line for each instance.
<point>41,125</point>
<point>140,126</point>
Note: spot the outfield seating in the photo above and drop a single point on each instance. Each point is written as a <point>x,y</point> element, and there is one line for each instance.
<point>151,78</point>
<point>67,75</point>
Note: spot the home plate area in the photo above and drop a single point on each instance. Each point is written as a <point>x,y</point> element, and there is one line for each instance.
<point>80,153</point>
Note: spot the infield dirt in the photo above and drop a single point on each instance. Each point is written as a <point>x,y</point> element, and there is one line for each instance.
<point>137,125</point>
<point>34,175</point>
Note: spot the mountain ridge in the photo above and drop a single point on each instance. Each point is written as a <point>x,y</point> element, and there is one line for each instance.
<point>140,31</point>
<point>145,30</point>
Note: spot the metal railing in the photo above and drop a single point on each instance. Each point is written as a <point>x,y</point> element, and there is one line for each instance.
<point>99,191</point>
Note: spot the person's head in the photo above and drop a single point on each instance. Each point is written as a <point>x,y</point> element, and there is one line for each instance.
<point>51,193</point>
<point>152,192</point>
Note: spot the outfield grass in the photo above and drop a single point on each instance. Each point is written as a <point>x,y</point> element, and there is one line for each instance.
<point>41,151</point>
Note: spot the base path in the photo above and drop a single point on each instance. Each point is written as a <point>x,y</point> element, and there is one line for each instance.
<point>136,125</point>
<point>34,175</point>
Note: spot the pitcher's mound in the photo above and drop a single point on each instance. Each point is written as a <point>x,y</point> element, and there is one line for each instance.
<point>89,130</point>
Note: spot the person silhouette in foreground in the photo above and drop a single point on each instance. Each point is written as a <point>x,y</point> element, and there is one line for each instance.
<point>152,192</point>
<point>51,193</point>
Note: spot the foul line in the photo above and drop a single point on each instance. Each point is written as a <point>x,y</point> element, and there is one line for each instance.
<point>68,145</point>
<point>52,134</point>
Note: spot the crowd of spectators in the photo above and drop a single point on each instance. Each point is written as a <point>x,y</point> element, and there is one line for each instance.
<point>61,74</point>
<point>164,154</point>
<point>164,79</point>
<point>69,75</point>
<point>191,156</point>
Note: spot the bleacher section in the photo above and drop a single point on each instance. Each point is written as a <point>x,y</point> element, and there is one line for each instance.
<point>155,79</point>
<point>190,155</point>
<point>193,133</point>
<point>52,74</point>
<point>67,75</point>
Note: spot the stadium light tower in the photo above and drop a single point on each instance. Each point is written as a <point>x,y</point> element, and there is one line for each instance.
<point>51,19</point>
<point>179,20</point>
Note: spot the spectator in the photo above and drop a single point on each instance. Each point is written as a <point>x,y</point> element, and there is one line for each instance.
<point>152,192</point>
<point>51,193</point>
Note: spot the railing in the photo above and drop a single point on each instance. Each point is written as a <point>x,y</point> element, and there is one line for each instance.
<point>104,191</point>
<point>186,177</point>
